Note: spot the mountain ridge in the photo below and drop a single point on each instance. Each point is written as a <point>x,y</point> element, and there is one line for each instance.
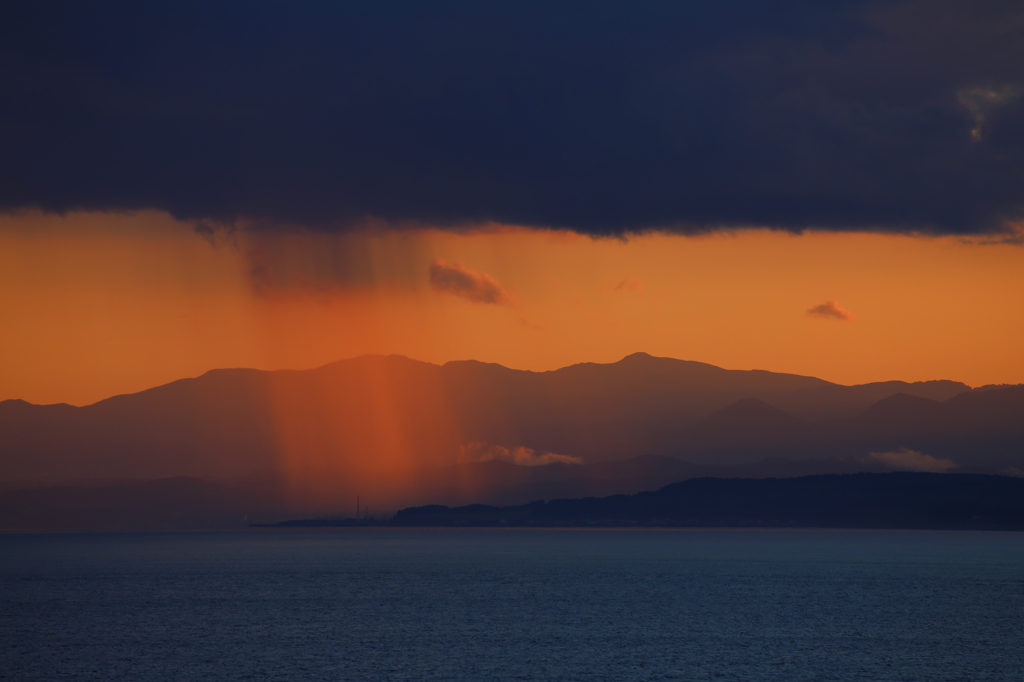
<point>631,358</point>
<point>343,420</point>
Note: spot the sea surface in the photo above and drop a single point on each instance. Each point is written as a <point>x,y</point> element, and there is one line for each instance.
<point>505,604</point>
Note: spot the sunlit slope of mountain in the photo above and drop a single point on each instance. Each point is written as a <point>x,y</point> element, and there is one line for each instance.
<point>388,417</point>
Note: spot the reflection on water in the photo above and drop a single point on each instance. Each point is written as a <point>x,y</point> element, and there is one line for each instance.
<point>513,605</point>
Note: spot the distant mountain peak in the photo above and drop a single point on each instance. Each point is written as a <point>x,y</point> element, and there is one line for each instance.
<point>642,357</point>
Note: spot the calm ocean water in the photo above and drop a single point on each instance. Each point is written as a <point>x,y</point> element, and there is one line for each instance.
<point>513,605</point>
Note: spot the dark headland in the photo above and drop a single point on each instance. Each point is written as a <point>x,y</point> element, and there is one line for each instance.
<point>899,500</point>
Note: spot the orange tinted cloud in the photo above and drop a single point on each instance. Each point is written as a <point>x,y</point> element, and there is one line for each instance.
<point>831,309</point>
<point>472,285</point>
<point>911,460</point>
<point>523,456</point>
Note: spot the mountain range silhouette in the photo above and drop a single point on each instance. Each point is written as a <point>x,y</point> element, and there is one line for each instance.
<point>404,432</point>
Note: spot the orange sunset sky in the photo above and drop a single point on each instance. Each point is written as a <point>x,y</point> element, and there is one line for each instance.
<point>829,189</point>
<point>95,304</point>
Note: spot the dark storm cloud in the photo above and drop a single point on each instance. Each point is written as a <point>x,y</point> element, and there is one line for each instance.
<point>602,117</point>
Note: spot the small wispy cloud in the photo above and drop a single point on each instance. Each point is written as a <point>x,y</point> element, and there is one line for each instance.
<point>523,456</point>
<point>981,101</point>
<point>832,310</point>
<point>473,285</point>
<point>911,460</point>
<point>630,284</point>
